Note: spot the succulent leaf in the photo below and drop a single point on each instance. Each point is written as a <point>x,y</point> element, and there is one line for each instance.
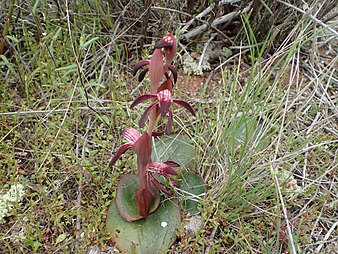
<point>152,235</point>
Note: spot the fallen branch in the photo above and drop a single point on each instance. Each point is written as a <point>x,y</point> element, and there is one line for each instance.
<point>206,11</point>
<point>218,21</point>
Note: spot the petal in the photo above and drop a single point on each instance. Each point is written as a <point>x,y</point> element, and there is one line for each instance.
<point>156,134</point>
<point>168,84</point>
<point>185,105</point>
<point>142,74</point>
<point>146,113</point>
<point>174,72</point>
<point>139,65</point>
<point>164,43</point>
<point>143,149</point>
<point>167,41</point>
<point>161,168</point>
<point>172,164</point>
<point>131,134</point>
<point>119,152</point>
<point>150,189</point>
<point>170,46</point>
<point>158,185</point>
<point>156,69</point>
<point>142,98</point>
<point>165,100</point>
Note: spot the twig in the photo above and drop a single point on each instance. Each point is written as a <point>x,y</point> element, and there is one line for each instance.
<point>205,50</point>
<point>169,9</point>
<point>332,16</point>
<point>12,129</point>
<point>66,111</point>
<point>231,58</point>
<point>81,187</point>
<point>189,15</point>
<point>104,64</point>
<point>76,57</point>
<point>211,74</point>
<point>147,5</point>
<point>327,236</point>
<point>206,11</point>
<point>49,111</point>
<point>226,18</point>
<point>212,236</point>
<point>288,227</point>
<point>291,240</point>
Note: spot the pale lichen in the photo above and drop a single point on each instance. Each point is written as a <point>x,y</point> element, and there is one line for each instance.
<point>9,200</point>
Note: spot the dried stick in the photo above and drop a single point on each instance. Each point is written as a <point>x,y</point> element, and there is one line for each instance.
<point>225,18</point>
<point>205,50</point>
<point>327,236</point>
<point>206,11</point>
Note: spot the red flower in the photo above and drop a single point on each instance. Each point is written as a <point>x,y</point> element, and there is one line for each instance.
<point>162,102</point>
<point>132,136</point>
<point>142,146</point>
<point>169,46</point>
<point>156,69</point>
<point>159,64</point>
<point>163,169</point>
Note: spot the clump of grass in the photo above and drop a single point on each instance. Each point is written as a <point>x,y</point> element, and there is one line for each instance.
<point>255,152</point>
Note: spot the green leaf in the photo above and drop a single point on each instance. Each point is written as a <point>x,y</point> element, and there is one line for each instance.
<point>95,84</point>
<point>247,132</point>
<point>193,188</point>
<point>7,64</point>
<point>176,148</point>
<point>35,6</point>
<point>126,198</point>
<point>105,118</point>
<point>35,245</point>
<point>12,38</point>
<point>86,44</point>
<point>60,238</point>
<point>152,235</point>
<point>67,68</point>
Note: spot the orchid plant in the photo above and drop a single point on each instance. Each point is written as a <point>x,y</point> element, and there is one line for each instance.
<point>162,77</point>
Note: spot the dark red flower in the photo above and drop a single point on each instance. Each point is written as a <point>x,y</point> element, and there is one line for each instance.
<point>169,46</point>
<point>163,169</point>
<point>159,64</point>
<point>163,101</point>
<point>130,134</point>
<point>156,70</point>
<point>141,144</point>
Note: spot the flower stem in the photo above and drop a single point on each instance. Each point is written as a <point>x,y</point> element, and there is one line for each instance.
<point>152,122</point>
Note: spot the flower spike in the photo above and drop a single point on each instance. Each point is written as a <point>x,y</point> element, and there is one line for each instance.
<point>162,76</point>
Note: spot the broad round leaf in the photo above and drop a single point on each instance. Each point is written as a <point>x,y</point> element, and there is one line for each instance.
<point>175,148</point>
<point>152,235</point>
<point>126,198</point>
<point>193,188</point>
